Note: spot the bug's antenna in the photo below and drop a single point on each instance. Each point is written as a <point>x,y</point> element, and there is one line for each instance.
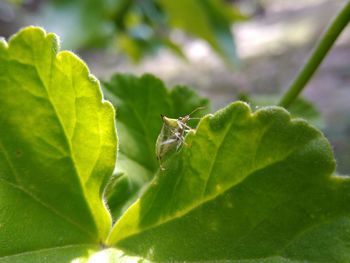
<point>196,109</point>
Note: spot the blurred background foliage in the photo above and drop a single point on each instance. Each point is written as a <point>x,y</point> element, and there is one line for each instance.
<point>137,27</point>
<point>222,48</point>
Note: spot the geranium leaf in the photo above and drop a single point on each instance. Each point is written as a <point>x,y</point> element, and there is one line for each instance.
<point>57,151</point>
<point>250,187</point>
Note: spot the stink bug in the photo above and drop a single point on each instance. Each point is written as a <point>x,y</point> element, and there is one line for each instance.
<point>172,134</point>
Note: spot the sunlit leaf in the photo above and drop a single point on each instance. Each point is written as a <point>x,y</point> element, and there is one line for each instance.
<point>57,151</point>
<point>250,187</point>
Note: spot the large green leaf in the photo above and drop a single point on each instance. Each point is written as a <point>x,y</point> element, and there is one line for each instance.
<point>57,151</point>
<point>139,102</point>
<point>250,187</point>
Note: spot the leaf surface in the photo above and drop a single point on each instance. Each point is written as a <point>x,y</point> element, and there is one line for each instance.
<point>250,187</point>
<point>57,150</point>
<point>139,102</point>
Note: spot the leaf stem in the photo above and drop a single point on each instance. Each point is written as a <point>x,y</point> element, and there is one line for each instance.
<point>317,56</point>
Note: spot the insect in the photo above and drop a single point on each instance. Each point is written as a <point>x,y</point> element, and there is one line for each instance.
<point>172,134</point>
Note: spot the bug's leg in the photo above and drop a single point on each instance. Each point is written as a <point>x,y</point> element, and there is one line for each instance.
<point>179,143</point>
<point>186,126</point>
<point>160,163</point>
<point>188,129</point>
<point>171,140</point>
<point>183,125</point>
<point>178,135</point>
<point>185,144</point>
<point>161,166</point>
<point>180,124</point>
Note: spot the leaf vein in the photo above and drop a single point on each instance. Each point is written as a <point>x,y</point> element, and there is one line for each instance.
<point>47,206</point>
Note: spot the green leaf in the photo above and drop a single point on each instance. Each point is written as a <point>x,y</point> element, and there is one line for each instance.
<point>57,151</point>
<point>175,48</point>
<point>207,19</point>
<point>139,102</point>
<point>250,187</point>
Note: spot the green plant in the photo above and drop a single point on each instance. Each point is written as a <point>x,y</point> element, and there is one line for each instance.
<point>247,186</point>
<point>138,28</point>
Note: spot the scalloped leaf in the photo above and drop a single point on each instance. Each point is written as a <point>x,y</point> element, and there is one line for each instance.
<point>139,102</point>
<point>57,151</point>
<point>250,187</point>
